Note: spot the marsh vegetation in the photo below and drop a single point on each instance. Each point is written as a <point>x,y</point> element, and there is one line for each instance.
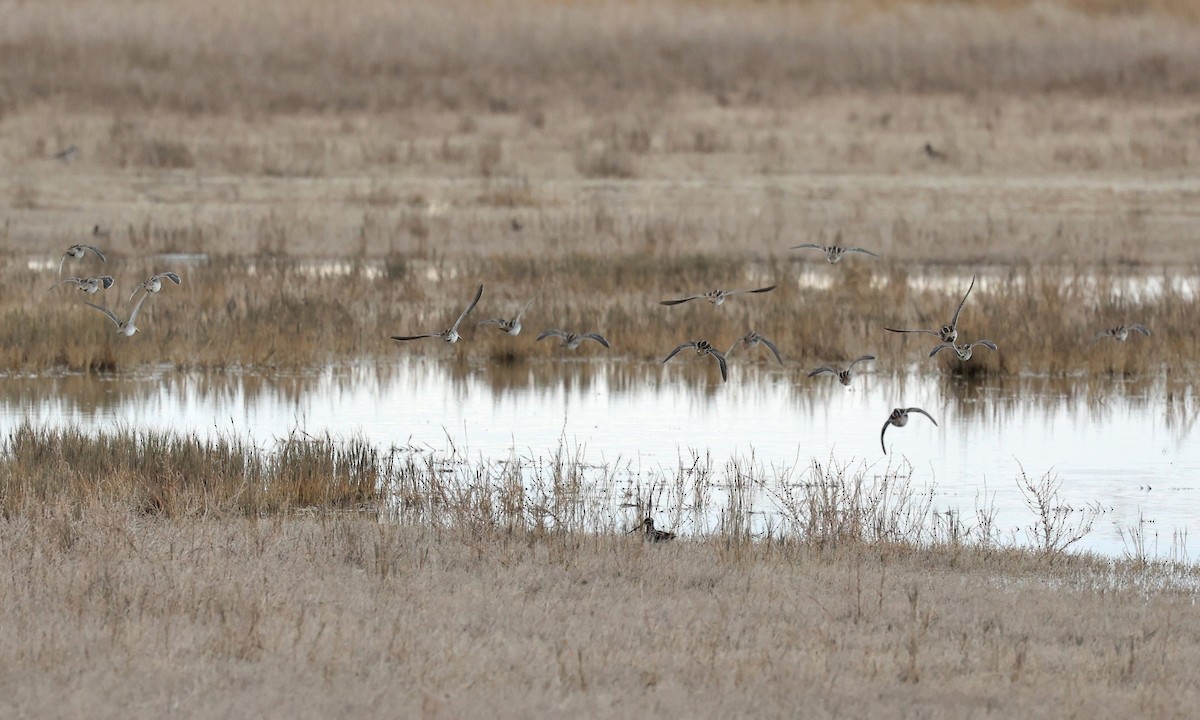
<point>323,176</point>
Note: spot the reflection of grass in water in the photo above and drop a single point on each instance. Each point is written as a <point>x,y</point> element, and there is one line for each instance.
<point>282,314</point>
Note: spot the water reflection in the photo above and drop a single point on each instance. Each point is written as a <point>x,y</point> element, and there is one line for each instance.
<point>1124,446</point>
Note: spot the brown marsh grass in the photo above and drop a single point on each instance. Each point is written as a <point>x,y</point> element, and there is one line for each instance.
<point>467,595</point>
<point>280,313</point>
<point>516,56</point>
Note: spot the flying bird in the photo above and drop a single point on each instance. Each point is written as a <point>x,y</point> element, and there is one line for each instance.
<point>703,347</point>
<point>751,339</point>
<point>124,327</point>
<point>948,333</point>
<point>834,253</point>
<point>1121,332</point>
<point>77,252</point>
<point>450,334</point>
<point>572,340</point>
<point>843,376</point>
<point>513,326</point>
<point>716,297</point>
<point>963,351</point>
<point>899,418</point>
<point>154,283</point>
<point>91,285</point>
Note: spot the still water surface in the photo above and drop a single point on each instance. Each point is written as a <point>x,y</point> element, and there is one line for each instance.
<point>1130,450</point>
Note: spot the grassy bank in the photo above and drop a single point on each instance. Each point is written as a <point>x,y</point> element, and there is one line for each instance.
<point>133,616</point>
<point>153,574</point>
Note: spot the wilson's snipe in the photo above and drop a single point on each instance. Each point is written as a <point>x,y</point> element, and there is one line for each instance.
<point>948,333</point>
<point>651,534</point>
<point>450,334</point>
<point>963,351</point>
<point>572,340</point>
<point>513,326</point>
<point>716,297</point>
<point>834,253</point>
<point>91,285</point>
<point>899,418</point>
<point>703,347</point>
<point>843,376</point>
<point>752,339</point>
<point>154,283</point>
<point>78,251</point>
<point>1121,332</point>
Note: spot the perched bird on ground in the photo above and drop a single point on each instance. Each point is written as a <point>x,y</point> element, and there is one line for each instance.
<point>933,153</point>
<point>651,534</point>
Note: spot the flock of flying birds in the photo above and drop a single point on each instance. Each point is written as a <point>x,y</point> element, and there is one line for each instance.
<point>94,284</point>
<point>948,335</point>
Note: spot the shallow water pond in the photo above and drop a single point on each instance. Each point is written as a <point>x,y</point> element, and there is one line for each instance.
<point>1124,450</point>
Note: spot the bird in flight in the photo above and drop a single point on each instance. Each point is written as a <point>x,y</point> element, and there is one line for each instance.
<point>750,340</point>
<point>1121,332</point>
<point>843,376</point>
<point>948,333</point>
<point>124,327</point>
<point>963,351</point>
<point>450,334</point>
<point>78,251</point>
<point>703,347</point>
<point>572,340</point>
<point>716,297</point>
<point>834,253</point>
<point>899,418</point>
<point>91,285</point>
<point>154,283</point>
<point>513,326</point>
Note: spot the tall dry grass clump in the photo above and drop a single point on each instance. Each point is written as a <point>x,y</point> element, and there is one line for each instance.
<point>173,475</point>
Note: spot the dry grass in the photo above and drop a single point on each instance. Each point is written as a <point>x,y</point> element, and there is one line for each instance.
<point>152,573</point>
<point>223,57</point>
<point>129,616</point>
<point>287,314</point>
